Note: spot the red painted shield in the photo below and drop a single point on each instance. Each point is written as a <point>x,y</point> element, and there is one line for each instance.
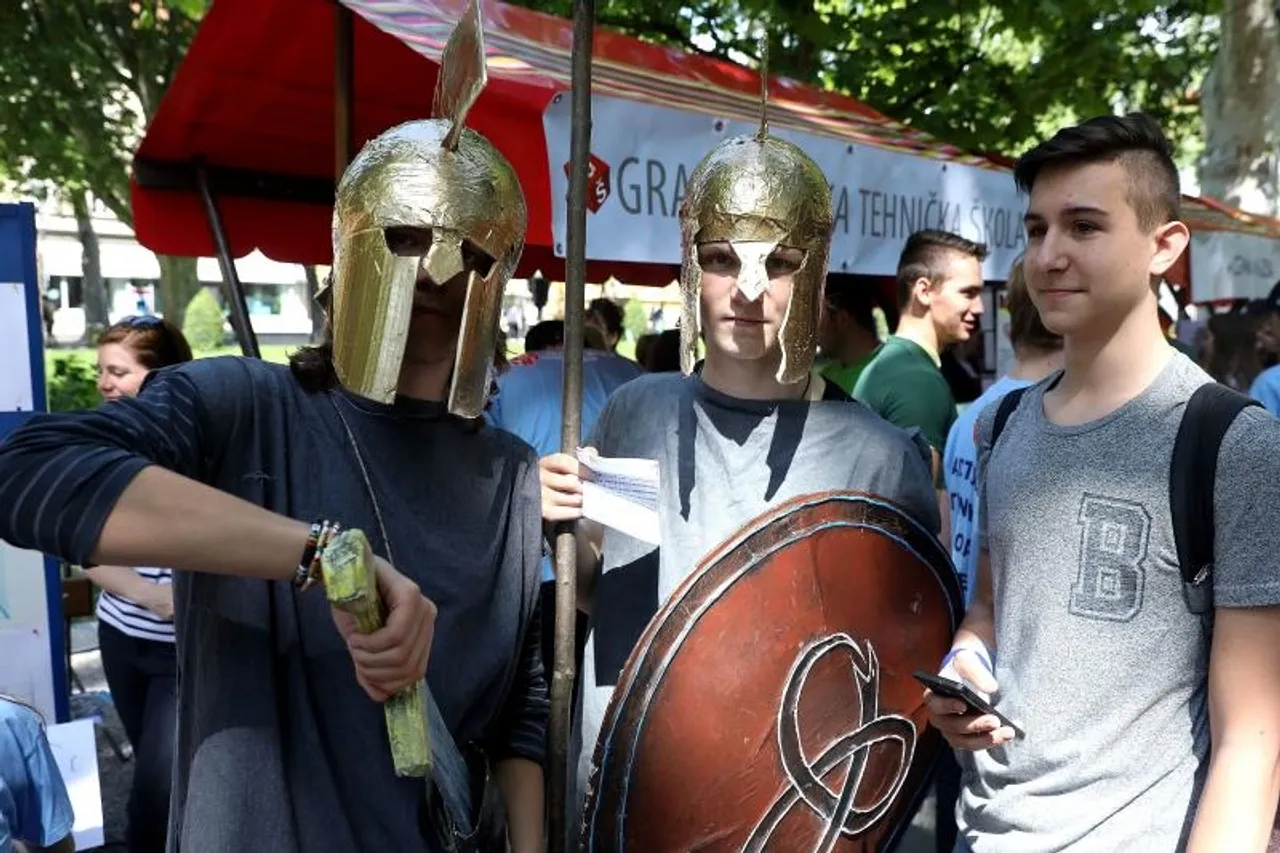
<point>769,705</point>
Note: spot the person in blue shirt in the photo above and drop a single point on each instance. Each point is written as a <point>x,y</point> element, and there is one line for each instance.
<point>1037,353</point>
<point>1266,387</point>
<point>530,396</point>
<point>35,810</point>
<point>530,402</point>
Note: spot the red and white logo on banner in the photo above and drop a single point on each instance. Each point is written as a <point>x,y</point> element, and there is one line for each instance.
<point>598,184</point>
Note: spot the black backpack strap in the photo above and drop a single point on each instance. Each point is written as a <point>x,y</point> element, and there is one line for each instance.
<point>1193,474</point>
<point>1008,403</point>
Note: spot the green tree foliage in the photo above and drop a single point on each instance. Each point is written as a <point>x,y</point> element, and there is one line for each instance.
<point>635,319</point>
<point>986,75</point>
<point>204,326</point>
<point>79,81</point>
<point>72,384</point>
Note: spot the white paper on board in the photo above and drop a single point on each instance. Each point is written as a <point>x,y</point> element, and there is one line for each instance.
<point>15,351</point>
<point>76,752</point>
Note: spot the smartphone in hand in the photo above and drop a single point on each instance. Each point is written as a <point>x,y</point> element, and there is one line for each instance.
<point>959,690</point>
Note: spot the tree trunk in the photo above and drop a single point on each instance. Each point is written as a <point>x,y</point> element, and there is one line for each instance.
<point>178,284</point>
<point>1240,103</point>
<point>313,308</point>
<point>92,288</point>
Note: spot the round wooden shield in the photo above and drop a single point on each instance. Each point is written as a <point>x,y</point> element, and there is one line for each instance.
<point>769,705</point>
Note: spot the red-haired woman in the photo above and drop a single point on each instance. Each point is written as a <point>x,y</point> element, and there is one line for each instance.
<point>135,610</point>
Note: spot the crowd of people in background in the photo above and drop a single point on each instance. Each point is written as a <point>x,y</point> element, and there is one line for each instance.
<point>211,470</point>
<point>927,376</point>
<point>1237,344</point>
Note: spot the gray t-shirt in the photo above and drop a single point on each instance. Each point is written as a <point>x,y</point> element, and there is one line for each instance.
<point>1097,654</point>
<point>723,461</point>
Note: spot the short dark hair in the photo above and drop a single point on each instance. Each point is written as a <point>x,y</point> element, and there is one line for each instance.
<point>665,355</point>
<point>1135,141</point>
<point>1026,329</point>
<point>609,313</point>
<point>855,298</point>
<point>924,254</point>
<point>544,335</point>
<point>1269,305</point>
<point>644,348</point>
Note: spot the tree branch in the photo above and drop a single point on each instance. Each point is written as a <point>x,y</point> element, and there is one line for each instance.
<point>80,37</point>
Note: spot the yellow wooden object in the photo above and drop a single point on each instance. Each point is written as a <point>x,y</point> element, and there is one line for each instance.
<point>350,583</point>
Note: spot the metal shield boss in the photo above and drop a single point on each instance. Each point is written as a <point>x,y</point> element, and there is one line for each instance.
<point>769,705</point>
<point>470,201</point>
<point>757,193</point>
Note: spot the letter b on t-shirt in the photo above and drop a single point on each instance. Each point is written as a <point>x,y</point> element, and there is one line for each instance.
<point>1113,545</point>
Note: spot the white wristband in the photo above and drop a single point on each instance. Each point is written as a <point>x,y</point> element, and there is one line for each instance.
<point>983,653</point>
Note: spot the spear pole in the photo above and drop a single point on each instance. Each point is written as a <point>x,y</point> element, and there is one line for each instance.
<point>570,433</point>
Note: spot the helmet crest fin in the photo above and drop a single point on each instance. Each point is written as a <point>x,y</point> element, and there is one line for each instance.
<point>463,73</point>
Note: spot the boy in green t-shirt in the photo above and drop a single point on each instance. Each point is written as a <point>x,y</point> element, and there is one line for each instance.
<point>940,296</point>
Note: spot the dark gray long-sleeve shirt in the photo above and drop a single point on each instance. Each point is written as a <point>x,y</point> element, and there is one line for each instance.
<point>278,747</point>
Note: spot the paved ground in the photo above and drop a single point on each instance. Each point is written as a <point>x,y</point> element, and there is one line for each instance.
<point>117,774</point>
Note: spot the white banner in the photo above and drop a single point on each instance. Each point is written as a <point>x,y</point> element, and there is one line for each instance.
<point>1230,265</point>
<point>642,156</point>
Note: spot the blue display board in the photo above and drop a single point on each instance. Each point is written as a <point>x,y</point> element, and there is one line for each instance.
<point>32,648</point>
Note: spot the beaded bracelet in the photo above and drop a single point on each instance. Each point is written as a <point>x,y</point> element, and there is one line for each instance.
<point>308,571</point>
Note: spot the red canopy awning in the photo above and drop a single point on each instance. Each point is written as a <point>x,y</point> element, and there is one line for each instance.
<point>254,103</point>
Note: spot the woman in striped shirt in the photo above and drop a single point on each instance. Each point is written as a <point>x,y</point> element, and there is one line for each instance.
<point>135,609</point>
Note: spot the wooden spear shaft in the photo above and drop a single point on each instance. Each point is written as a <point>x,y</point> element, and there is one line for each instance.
<point>562,677</point>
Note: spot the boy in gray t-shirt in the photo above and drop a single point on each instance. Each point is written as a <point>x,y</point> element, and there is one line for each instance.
<point>1079,629</point>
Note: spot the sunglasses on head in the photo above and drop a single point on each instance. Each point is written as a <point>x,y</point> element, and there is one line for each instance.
<point>140,321</point>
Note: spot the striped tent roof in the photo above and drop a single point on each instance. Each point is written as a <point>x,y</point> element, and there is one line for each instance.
<point>532,47</point>
<point>253,104</point>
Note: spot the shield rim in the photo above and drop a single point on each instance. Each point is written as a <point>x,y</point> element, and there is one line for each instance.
<point>916,538</point>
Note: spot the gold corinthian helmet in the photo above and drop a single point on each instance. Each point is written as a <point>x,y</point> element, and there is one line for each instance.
<point>443,179</point>
<point>758,193</point>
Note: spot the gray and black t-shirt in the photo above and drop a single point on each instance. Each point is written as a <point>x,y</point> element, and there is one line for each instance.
<point>1097,653</point>
<point>722,462</point>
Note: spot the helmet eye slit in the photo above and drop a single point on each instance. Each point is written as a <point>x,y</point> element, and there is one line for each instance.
<point>410,241</point>
<point>718,257</point>
<point>407,241</point>
<point>785,260</point>
<point>476,259</point>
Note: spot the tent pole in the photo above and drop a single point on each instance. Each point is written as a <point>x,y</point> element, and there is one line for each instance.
<point>231,286</point>
<point>563,676</point>
<point>344,100</point>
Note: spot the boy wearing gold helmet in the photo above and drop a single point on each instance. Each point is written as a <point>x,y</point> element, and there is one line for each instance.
<point>748,428</point>
<point>234,471</point>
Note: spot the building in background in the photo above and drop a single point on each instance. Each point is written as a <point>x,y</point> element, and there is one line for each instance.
<point>276,293</point>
